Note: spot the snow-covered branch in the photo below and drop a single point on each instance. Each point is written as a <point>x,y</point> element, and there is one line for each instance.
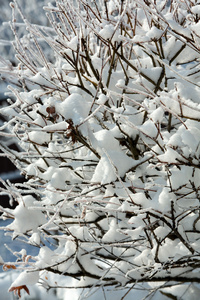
<point>109,135</point>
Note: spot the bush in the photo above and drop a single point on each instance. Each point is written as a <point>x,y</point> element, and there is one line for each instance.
<point>109,134</point>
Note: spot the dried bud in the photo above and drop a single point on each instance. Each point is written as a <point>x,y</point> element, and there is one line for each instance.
<point>51,110</point>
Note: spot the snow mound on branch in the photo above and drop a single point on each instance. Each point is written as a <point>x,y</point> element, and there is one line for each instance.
<point>113,161</point>
<point>26,278</point>
<point>74,107</point>
<point>27,216</point>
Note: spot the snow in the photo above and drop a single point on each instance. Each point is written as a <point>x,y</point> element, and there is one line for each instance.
<point>35,239</point>
<point>165,198</point>
<point>109,32</point>
<point>195,9</point>
<point>154,33</point>
<point>73,107</point>
<point>73,44</point>
<point>43,137</point>
<point>62,126</point>
<point>196,27</point>
<point>112,161</point>
<point>157,115</point>
<point>113,233</point>
<point>26,217</point>
<point>39,78</point>
<point>26,278</point>
<point>176,27</point>
<point>36,292</point>
<point>45,257</point>
<point>102,99</point>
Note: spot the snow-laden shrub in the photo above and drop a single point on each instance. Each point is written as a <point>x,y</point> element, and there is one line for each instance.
<point>110,135</point>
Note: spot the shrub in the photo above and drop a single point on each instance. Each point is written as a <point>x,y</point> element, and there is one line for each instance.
<point>109,134</point>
